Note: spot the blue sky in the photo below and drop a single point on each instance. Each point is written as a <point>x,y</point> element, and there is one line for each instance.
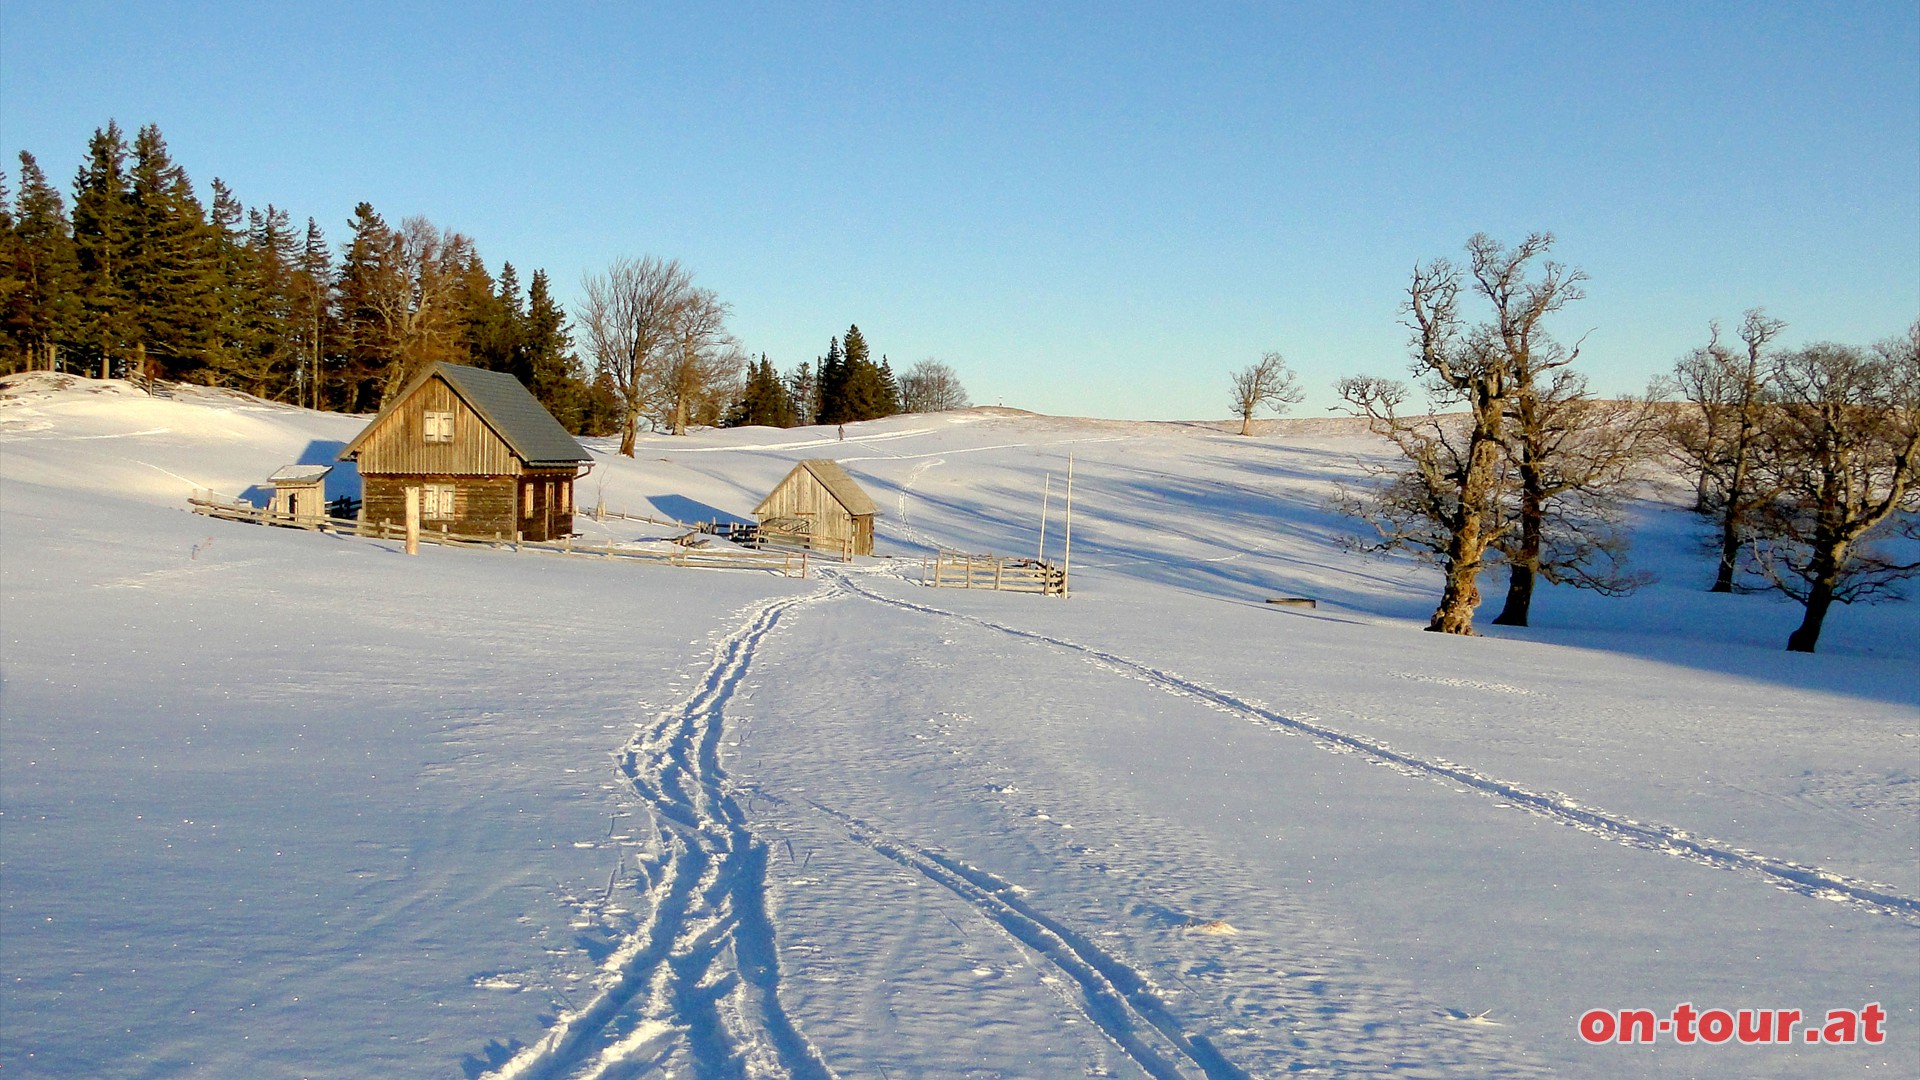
<point>1095,210</point>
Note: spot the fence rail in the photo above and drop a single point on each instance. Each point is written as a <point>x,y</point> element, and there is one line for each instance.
<point>791,564</point>
<point>957,570</point>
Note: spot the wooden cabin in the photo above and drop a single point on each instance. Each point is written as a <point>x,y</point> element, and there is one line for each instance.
<point>300,492</point>
<point>488,459</point>
<point>820,502</point>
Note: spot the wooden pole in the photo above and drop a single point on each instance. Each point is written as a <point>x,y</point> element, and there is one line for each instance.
<point>1066,564</point>
<point>413,521</point>
<point>1046,490</point>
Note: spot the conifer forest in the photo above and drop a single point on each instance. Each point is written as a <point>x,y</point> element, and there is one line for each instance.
<point>132,275</point>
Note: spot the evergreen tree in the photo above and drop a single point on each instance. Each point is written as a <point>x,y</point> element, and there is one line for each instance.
<point>368,344</point>
<point>490,313</point>
<point>313,295</point>
<point>832,408</point>
<point>803,390</point>
<point>865,391</point>
<point>102,236</point>
<point>764,400</point>
<point>554,372</point>
<point>174,275</point>
<point>270,362</point>
<point>40,272</point>
<point>865,396</point>
<point>13,348</point>
<point>889,389</point>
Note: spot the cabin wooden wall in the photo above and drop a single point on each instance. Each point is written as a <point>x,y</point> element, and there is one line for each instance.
<point>482,505</point>
<point>308,502</point>
<point>801,495</point>
<point>398,445</point>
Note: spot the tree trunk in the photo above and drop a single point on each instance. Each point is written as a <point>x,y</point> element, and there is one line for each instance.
<point>1827,560</point>
<point>1730,520</point>
<point>1819,599</point>
<point>1468,538</point>
<point>629,434</point>
<point>680,415</point>
<point>1525,561</point>
<point>1246,423</point>
<point>1458,600</point>
<point>1729,557</point>
<point>1461,594</point>
<point>1519,605</point>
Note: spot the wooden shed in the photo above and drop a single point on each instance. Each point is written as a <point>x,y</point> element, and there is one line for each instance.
<point>819,501</point>
<point>488,459</point>
<point>300,492</point>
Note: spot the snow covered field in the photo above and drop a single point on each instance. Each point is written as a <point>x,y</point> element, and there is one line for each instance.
<point>276,803</point>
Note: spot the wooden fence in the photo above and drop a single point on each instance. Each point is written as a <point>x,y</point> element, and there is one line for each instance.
<point>791,564</point>
<point>762,538</point>
<point>955,570</point>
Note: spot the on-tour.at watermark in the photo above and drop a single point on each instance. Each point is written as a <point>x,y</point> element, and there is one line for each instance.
<point>1747,1027</point>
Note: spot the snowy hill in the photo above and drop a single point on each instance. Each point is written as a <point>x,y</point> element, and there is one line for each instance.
<point>276,803</point>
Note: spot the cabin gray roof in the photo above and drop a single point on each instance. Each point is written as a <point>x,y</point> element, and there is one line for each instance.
<point>504,405</point>
<point>838,484</point>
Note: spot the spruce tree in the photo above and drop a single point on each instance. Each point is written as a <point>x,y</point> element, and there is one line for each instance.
<point>271,363</point>
<point>41,305</point>
<point>492,327</point>
<point>764,401</point>
<point>102,236</point>
<point>803,391</point>
<point>865,390</point>
<point>13,348</point>
<point>555,375</point>
<point>833,387</point>
<point>889,390</point>
<point>174,267</point>
<point>367,346</point>
<point>314,296</point>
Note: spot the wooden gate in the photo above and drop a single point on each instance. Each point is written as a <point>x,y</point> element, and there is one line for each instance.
<point>957,570</point>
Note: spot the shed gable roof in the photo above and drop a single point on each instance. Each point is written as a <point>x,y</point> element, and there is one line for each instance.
<point>505,406</point>
<point>837,483</point>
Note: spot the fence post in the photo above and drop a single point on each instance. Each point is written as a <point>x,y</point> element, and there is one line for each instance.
<point>413,521</point>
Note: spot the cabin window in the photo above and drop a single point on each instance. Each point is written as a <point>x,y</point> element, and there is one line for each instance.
<point>436,501</point>
<point>526,501</point>
<point>566,498</point>
<point>437,426</point>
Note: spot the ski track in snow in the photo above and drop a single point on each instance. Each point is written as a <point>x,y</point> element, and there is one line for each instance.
<point>1649,836</point>
<point>1115,998</point>
<point>700,971</point>
<point>700,976</point>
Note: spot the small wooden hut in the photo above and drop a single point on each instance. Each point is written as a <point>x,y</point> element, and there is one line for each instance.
<point>488,459</point>
<point>300,492</point>
<point>819,502</point>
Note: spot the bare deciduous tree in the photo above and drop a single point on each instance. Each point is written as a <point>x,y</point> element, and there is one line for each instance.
<point>1269,384</point>
<point>1446,502</point>
<point>630,321</point>
<point>1841,451</point>
<point>701,368</point>
<point>416,309</point>
<point>1570,455</point>
<point>1449,500</point>
<point>931,386</point>
<point>1726,393</point>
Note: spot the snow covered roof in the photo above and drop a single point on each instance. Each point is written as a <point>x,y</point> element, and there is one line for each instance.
<point>299,474</point>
